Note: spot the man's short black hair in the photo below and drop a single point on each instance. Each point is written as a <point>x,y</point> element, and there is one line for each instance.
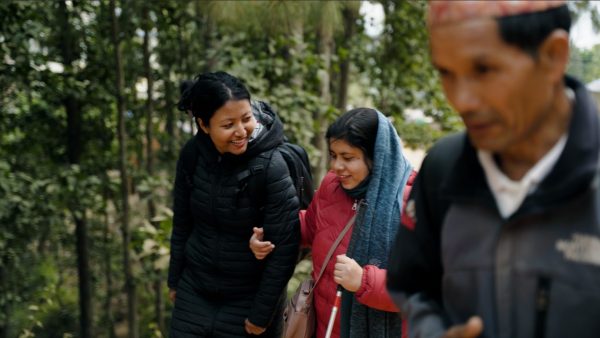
<point>528,31</point>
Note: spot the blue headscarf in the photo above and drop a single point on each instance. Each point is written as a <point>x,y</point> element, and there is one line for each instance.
<point>375,231</point>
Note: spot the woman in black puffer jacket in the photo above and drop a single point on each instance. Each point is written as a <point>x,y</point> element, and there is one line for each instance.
<point>219,288</point>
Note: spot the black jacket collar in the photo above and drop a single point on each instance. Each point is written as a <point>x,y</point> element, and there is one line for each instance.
<point>571,175</point>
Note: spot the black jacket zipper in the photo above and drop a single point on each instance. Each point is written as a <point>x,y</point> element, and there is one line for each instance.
<point>542,301</point>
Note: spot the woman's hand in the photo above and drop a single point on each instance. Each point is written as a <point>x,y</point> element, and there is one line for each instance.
<point>172,295</point>
<point>348,273</point>
<point>259,248</point>
<point>253,329</point>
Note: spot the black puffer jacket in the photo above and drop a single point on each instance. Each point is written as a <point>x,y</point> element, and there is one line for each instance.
<point>219,283</point>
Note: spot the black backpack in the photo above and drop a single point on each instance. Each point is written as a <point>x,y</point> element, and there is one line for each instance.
<point>296,159</point>
<point>253,178</point>
<point>298,164</point>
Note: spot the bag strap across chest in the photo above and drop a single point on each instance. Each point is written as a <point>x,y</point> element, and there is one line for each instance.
<point>332,249</point>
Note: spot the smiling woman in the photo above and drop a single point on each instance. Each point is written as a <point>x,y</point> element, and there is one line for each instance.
<point>349,163</point>
<point>231,126</point>
<point>219,288</point>
<point>369,179</point>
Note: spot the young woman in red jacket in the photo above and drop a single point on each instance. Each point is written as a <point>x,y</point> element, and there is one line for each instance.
<point>369,177</point>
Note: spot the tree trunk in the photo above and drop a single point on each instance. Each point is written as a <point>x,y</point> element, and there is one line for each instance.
<point>5,307</point>
<point>181,44</point>
<point>119,83</point>
<point>205,25</point>
<point>350,14</point>
<point>159,303</point>
<point>298,46</point>
<point>183,68</point>
<point>325,47</point>
<point>170,116</point>
<point>159,313</point>
<point>74,149</point>
<point>149,104</point>
<point>109,319</point>
<point>83,270</point>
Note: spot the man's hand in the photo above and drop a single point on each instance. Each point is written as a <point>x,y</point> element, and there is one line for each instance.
<point>172,295</point>
<point>259,248</point>
<point>253,329</point>
<point>471,329</point>
<point>347,273</point>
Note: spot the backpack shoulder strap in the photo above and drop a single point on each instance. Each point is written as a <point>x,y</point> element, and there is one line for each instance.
<point>254,177</point>
<point>256,165</point>
<point>445,152</point>
<point>298,165</point>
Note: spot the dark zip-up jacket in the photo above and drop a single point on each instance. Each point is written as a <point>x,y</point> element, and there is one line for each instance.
<point>218,280</point>
<point>535,274</point>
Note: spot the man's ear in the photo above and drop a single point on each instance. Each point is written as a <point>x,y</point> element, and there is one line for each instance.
<point>202,125</point>
<point>553,53</point>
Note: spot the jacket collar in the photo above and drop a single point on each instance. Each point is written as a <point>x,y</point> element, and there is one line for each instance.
<point>571,175</point>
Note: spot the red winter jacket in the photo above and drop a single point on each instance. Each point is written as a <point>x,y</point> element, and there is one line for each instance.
<point>326,216</point>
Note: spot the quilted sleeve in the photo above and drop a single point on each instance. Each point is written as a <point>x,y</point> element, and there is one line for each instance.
<point>281,227</point>
<point>372,291</point>
<point>182,216</point>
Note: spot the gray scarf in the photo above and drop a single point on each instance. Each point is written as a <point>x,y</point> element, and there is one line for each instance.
<point>374,232</point>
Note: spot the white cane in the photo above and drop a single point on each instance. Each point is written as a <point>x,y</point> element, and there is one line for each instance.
<point>334,310</point>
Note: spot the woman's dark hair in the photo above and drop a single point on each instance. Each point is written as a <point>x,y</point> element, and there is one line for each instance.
<point>358,127</point>
<point>528,31</point>
<point>209,92</point>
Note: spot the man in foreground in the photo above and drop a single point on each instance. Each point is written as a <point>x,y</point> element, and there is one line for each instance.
<point>501,234</point>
